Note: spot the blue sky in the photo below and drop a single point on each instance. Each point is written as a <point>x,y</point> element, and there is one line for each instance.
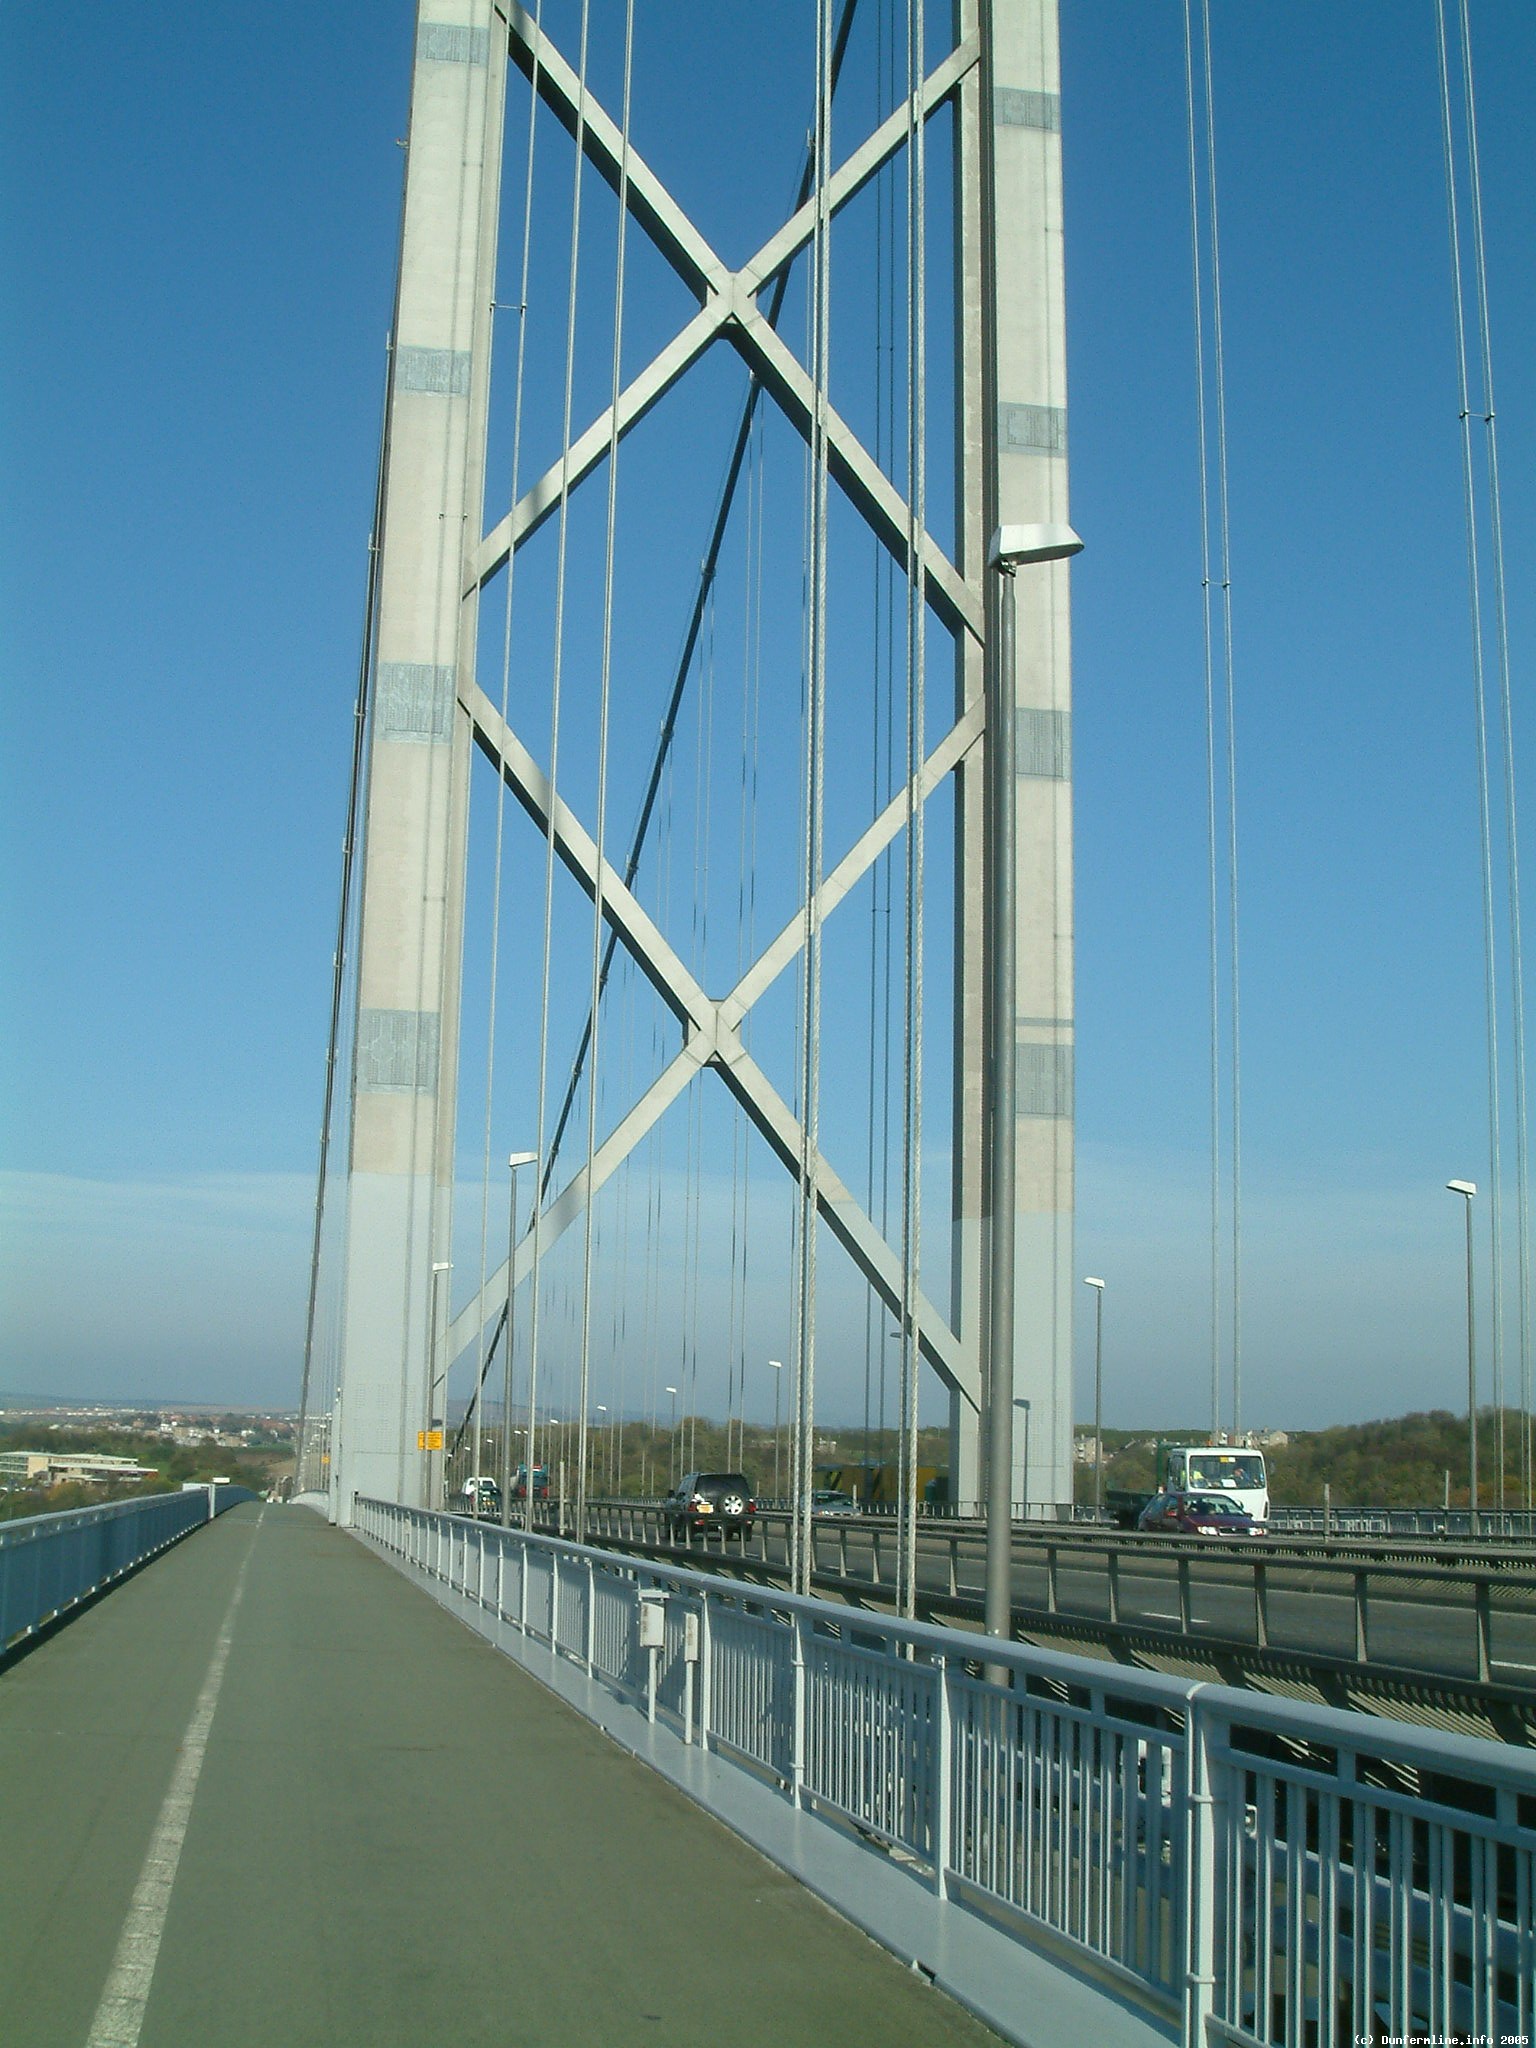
<point>199,222</point>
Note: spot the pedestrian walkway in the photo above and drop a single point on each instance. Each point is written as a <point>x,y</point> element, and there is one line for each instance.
<point>266,1792</point>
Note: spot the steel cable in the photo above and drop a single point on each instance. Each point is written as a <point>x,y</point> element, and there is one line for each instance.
<point>498,858</point>
<point>1506,725</point>
<point>1480,717</point>
<point>916,616</point>
<point>604,693</point>
<point>554,761</point>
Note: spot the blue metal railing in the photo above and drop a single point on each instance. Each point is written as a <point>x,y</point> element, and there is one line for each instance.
<point>50,1563</point>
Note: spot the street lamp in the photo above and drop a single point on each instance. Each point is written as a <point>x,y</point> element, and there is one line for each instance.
<point>1011,547</point>
<point>778,1382</point>
<point>672,1441</point>
<point>436,1406</point>
<point>1098,1393</point>
<point>514,1162</point>
<point>1467,1189</point>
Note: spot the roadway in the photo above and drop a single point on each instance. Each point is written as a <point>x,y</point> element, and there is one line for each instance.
<point>264,1791</point>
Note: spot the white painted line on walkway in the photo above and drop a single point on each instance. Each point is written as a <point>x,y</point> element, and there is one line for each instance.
<point>120,2014</point>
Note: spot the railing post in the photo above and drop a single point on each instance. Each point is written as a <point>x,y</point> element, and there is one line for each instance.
<point>797,1724</point>
<point>944,1789</point>
<point>1185,1624</point>
<point>1261,1603</point>
<point>1362,1620</point>
<point>1200,1875</point>
<point>1484,1599</point>
<point>591,1645</point>
<point>706,1689</point>
<point>1050,1579</point>
<point>1113,1576</point>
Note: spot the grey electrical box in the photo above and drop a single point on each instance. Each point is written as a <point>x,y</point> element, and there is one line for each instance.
<point>691,1637</point>
<point>653,1621</point>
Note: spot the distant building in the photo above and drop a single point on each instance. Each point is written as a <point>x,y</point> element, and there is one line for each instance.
<point>52,1466</point>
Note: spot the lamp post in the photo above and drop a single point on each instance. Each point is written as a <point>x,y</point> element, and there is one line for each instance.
<point>778,1382</point>
<point>514,1162</point>
<point>672,1442</point>
<point>1011,546</point>
<point>1098,1393</point>
<point>436,1405</point>
<point>1467,1189</point>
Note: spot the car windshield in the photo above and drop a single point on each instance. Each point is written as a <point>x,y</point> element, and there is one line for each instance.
<point>1207,1504</point>
<point>1225,1468</point>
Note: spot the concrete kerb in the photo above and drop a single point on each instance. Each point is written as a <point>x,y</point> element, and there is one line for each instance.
<point>1031,1998</point>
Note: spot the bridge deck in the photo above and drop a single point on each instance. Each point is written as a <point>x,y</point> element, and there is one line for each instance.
<point>395,1837</point>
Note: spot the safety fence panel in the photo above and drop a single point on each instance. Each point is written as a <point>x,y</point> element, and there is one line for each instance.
<point>1379,1886</point>
<point>752,1688</point>
<point>872,1739</point>
<point>1253,1871</point>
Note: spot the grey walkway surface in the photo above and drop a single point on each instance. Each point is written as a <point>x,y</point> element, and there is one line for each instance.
<point>396,1838</point>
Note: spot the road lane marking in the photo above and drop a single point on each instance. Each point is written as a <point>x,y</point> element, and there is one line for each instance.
<point>120,2015</point>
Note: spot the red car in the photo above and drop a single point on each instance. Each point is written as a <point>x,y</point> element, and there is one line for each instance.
<point>1194,1514</point>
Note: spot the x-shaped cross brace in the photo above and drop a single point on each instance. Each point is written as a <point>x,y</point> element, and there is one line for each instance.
<point>712,1029</point>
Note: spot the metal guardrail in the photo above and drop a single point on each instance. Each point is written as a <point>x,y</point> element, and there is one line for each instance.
<point>1494,1525</point>
<point>50,1563</point>
<point>1486,1593</point>
<point>1255,1872</point>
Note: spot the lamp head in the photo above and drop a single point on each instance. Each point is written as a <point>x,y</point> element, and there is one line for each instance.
<point>1013,545</point>
<point>1089,1281</point>
<point>523,1159</point>
<point>1462,1187</point>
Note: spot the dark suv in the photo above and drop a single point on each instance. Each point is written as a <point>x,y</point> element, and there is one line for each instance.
<point>711,1500</point>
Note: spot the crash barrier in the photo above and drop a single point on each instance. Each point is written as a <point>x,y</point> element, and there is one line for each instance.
<point>1488,1525</point>
<point>1258,1591</point>
<point>1250,1870</point>
<point>50,1563</point>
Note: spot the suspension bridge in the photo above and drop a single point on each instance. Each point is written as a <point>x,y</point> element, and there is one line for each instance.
<point>703,1036</point>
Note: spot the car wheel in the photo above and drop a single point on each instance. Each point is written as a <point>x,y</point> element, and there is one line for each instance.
<point>733,1505</point>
